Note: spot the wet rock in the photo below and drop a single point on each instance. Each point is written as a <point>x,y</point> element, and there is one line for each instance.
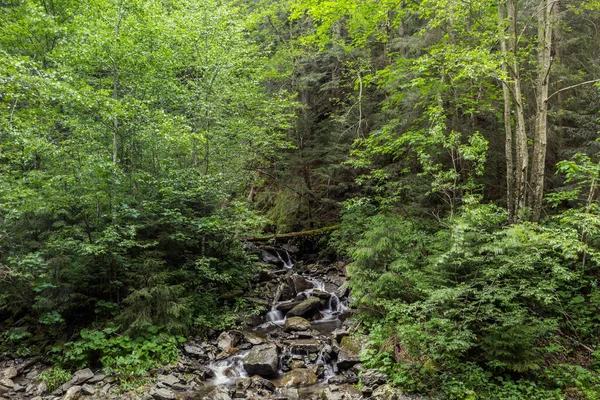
<point>287,305</point>
<point>304,346</point>
<point>343,290</point>
<point>296,324</point>
<point>73,393</point>
<point>387,392</point>
<point>228,339</point>
<point>297,364</point>
<point>258,382</point>
<point>306,308</point>
<point>10,372</point>
<point>374,378</point>
<point>265,275</point>
<point>366,391</point>
<point>163,394</point>
<point>262,360</point>
<point>298,283</point>
<point>339,334</point>
<point>299,377</point>
<point>349,353</point>
<point>321,294</point>
<point>168,380</point>
<point>253,339</point>
<point>284,292</point>
<point>220,393</point>
<point>227,353</point>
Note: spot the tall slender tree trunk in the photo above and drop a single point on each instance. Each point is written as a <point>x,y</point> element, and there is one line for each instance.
<point>115,73</point>
<point>508,145</point>
<point>541,115</point>
<point>521,160</point>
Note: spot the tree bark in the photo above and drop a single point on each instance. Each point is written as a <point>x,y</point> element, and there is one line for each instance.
<point>540,139</point>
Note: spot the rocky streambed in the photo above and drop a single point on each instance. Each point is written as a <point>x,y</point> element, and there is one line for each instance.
<point>304,347</point>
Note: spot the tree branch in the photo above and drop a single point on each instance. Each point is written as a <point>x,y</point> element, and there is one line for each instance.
<point>572,87</point>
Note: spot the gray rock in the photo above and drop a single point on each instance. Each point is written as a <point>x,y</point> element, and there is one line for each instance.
<point>298,283</point>
<point>81,376</point>
<point>4,389</point>
<point>299,377</point>
<point>193,350</point>
<point>10,372</point>
<point>163,394</point>
<point>73,393</point>
<point>96,378</point>
<point>339,334</point>
<point>227,340</point>
<point>304,346</point>
<point>306,308</point>
<point>349,353</point>
<point>296,324</point>
<point>253,338</point>
<point>6,382</point>
<point>287,305</point>
<point>262,360</point>
<point>321,294</point>
<point>373,378</point>
<point>220,393</point>
<point>343,290</point>
<point>259,382</point>
<point>168,380</point>
<point>88,389</point>
<point>283,293</point>
<point>18,388</point>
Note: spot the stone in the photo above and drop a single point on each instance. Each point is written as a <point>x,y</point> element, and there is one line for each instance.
<point>253,338</point>
<point>299,377</point>
<point>163,394</point>
<point>193,350</point>
<point>387,392</point>
<point>297,364</point>
<point>73,393</point>
<point>265,275</point>
<point>228,339</point>
<point>349,353</point>
<point>96,378</point>
<point>81,376</point>
<point>283,293</point>
<point>7,383</point>
<point>287,305</point>
<point>298,283</point>
<point>227,353</point>
<point>88,389</point>
<point>4,389</point>
<point>10,372</point>
<point>304,346</point>
<point>32,374</point>
<point>339,334</point>
<point>373,378</point>
<point>321,294</point>
<point>19,388</point>
<point>258,382</point>
<point>343,290</point>
<point>262,360</point>
<point>330,394</point>
<point>220,393</point>
<point>168,380</point>
<point>306,308</point>
<point>296,324</point>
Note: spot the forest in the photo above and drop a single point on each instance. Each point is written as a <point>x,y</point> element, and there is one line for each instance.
<point>444,155</point>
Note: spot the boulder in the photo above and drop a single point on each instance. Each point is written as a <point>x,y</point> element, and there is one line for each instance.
<point>339,334</point>
<point>304,346</point>
<point>262,360</point>
<point>8,383</point>
<point>10,372</point>
<point>193,351</point>
<point>299,377</point>
<point>306,308</point>
<point>283,293</point>
<point>97,378</point>
<point>296,324</point>
<point>287,305</point>
<point>253,338</point>
<point>321,294</point>
<point>228,339</point>
<point>88,389</point>
<point>373,378</point>
<point>349,353</point>
<point>220,393</point>
<point>73,393</point>
<point>298,283</point>
<point>81,376</point>
<point>168,380</point>
<point>163,394</point>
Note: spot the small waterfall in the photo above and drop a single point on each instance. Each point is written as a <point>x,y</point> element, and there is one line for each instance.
<point>275,316</point>
<point>228,371</point>
<point>287,262</point>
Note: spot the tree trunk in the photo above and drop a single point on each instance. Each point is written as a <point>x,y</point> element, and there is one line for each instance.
<point>521,154</point>
<point>508,146</point>
<point>541,115</point>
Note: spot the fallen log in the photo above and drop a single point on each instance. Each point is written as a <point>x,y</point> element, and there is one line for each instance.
<point>313,232</point>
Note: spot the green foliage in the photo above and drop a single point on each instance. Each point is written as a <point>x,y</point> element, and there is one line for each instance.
<point>479,296</point>
<point>127,358</point>
<point>54,377</point>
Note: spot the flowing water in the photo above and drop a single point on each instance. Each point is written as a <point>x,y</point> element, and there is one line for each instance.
<point>298,348</point>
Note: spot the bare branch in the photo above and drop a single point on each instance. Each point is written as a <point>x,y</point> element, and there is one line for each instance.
<point>572,87</point>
